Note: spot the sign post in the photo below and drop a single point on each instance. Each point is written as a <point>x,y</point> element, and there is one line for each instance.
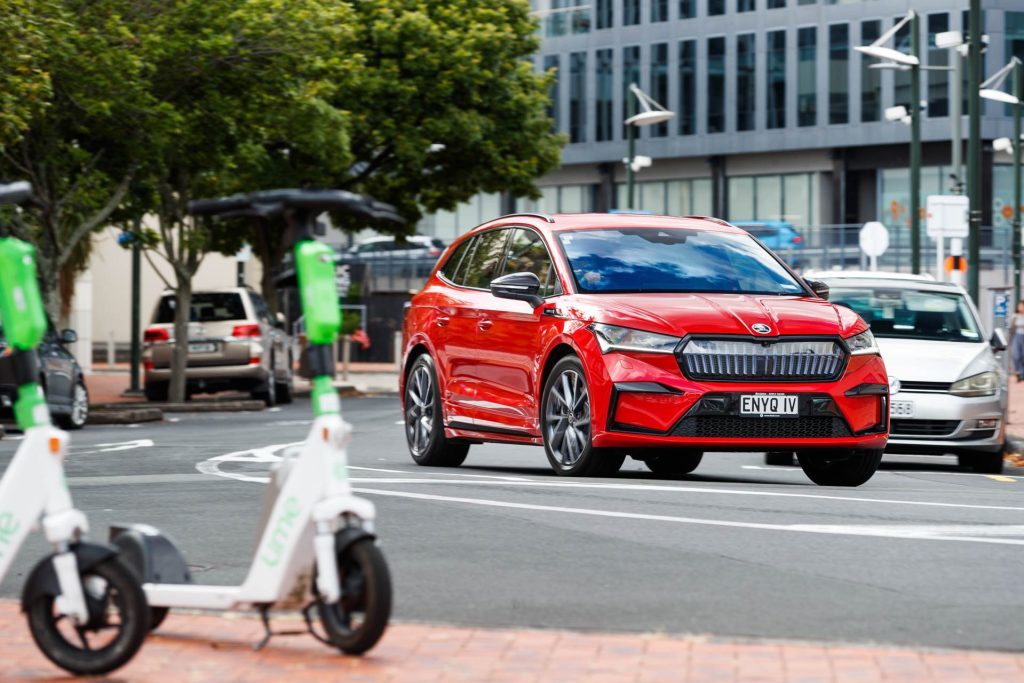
<point>947,217</point>
<point>874,240</point>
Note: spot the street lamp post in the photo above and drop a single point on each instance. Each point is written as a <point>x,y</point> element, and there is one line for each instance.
<point>974,151</point>
<point>652,113</point>
<point>913,61</point>
<point>989,90</point>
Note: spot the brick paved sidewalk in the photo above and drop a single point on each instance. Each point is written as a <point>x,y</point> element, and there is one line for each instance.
<point>213,648</point>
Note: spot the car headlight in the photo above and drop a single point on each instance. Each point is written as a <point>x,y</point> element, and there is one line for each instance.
<point>862,344</point>
<point>982,384</point>
<point>615,338</point>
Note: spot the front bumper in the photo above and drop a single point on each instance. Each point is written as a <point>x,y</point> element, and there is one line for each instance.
<point>645,400</point>
<point>941,423</point>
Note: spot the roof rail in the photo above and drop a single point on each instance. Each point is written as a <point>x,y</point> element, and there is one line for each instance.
<point>543,216</point>
<point>712,219</point>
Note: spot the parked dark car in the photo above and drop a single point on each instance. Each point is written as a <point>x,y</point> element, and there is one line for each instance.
<point>60,375</point>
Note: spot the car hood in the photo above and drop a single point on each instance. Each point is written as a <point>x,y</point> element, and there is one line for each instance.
<point>726,314</point>
<point>917,360</point>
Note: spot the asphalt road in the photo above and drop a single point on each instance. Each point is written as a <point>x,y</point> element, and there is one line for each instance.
<point>923,554</point>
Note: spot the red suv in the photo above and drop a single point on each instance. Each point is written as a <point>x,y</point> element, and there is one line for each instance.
<point>601,336</point>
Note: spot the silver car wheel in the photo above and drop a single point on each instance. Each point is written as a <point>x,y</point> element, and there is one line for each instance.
<point>80,406</point>
<point>419,410</point>
<point>567,418</point>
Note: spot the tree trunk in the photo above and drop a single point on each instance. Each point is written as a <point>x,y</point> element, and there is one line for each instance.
<point>179,359</point>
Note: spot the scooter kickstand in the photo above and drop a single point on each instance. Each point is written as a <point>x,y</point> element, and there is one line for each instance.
<point>268,634</point>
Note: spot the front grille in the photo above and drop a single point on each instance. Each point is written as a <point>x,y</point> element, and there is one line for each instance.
<point>734,426</point>
<point>926,387</point>
<point>923,427</point>
<point>798,360</point>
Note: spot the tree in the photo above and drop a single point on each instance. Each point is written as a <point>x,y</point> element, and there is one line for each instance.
<point>24,82</point>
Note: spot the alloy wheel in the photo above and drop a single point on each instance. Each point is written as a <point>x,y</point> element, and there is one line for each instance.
<point>420,410</point>
<point>567,422</point>
<point>80,406</point>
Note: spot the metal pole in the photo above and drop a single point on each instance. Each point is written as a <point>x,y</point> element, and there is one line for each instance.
<point>136,354</point>
<point>1018,92</point>
<point>631,139</point>
<point>955,117</point>
<point>915,147</point>
<point>974,152</point>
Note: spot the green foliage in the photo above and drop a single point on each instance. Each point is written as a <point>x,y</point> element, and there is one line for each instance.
<point>24,81</point>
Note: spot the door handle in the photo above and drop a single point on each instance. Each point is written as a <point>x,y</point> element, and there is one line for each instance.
<point>442,320</point>
<point>485,325</point>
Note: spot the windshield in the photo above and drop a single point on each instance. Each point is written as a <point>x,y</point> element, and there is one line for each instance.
<point>911,313</point>
<point>673,260</point>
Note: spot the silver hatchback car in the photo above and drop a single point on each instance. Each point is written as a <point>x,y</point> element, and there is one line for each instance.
<point>948,392</point>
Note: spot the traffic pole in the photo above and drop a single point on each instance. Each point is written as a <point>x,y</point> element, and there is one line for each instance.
<point>631,140</point>
<point>136,352</point>
<point>974,151</point>
<point>915,146</point>
<point>1018,92</point>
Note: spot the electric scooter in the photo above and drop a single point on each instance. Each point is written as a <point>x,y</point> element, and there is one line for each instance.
<point>86,611</point>
<point>317,549</point>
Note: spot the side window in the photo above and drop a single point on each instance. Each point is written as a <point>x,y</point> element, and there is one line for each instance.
<point>260,306</point>
<point>527,254</point>
<point>486,259</point>
<point>452,264</point>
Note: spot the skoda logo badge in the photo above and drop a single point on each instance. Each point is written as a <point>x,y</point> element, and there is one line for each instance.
<point>894,385</point>
<point>760,328</point>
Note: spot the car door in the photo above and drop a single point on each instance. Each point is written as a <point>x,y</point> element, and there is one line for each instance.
<point>509,337</point>
<point>460,316</point>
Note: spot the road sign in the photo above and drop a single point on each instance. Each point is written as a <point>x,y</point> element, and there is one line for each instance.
<point>946,215</point>
<point>874,239</point>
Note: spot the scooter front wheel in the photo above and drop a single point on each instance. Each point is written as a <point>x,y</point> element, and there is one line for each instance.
<point>118,621</point>
<point>357,621</point>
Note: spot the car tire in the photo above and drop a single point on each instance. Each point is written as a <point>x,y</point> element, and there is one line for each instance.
<point>285,390</point>
<point>983,463</point>
<point>672,462</point>
<point>839,467</point>
<point>565,425</point>
<point>79,414</point>
<point>424,419</point>
<point>156,391</point>
<point>783,458</point>
<point>266,391</point>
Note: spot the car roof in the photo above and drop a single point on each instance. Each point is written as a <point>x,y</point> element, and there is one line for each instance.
<point>868,275</point>
<point>596,221</point>
<point>884,279</point>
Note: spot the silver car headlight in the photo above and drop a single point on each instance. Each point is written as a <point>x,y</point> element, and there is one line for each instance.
<point>862,344</point>
<point>982,384</point>
<point>615,338</point>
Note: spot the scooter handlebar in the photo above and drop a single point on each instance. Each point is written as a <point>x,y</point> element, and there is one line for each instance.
<point>269,202</point>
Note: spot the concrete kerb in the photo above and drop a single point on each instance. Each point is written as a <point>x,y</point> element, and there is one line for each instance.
<point>123,416</point>
<point>225,406</point>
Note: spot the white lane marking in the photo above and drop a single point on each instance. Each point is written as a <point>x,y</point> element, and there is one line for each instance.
<point>291,423</point>
<point>174,419</point>
<point>262,454</point>
<point>275,409</point>
<point>886,471</point>
<point>920,533</point>
<point>399,422</point>
<point>444,474</point>
<point>116,446</point>
<point>685,489</point>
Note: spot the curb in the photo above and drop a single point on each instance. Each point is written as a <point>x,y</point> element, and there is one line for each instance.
<point>187,407</point>
<point>120,417</point>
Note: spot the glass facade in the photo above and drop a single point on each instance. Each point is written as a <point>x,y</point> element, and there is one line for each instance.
<point>775,92</point>
<point>838,73</point>
<point>578,97</point>
<point>630,74</point>
<point>807,76</point>
<point>746,93</point>
<point>567,17</point>
<point>687,110</point>
<point>552,64</point>
<point>938,81</point>
<point>870,79</point>
<point>605,13</point>
<point>659,84</point>
<point>787,197</point>
<point>559,199</point>
<point>605,90</point>
<point>659,10</point>
<point>691,197</point>
<point>687,9</point>
<point>716,84</point>
<point>630,12</point>
<point>776,4</point>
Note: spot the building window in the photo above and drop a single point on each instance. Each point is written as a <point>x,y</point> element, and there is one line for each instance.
<point>605,13</point>
<point>901,79</point>
<point>870,79</point>
<point>630,12</point>
<point>716,7</point>
<point>745,5</point>
<point>659,10</point>
<point>659,83</point>
<point>716,84</point>
<point>552,66</point>
<point>690,197</point>
<point>746,94</point>
<point>807,2</point>
<point>687,9</point>
<point>776,4</point>
<point>807,77</point>
<point>578,97</point>
<point>564,19</point>
<point>838,73</point>
<point>630,75</point>
<point>1014,23</point>
<point>603,105</point>
<point>557,199</point>
<point>938,81</point>
<point>786,197</point>
<point>687,113</point>
<point>776,80</point>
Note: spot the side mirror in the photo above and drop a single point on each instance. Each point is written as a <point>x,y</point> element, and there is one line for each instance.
<point>518,286</point>
<point>819,288</point>
<point>68,337</point>
<point>999,341</point>
<point>279,319</point>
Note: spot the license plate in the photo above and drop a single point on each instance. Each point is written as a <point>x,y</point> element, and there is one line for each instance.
<point>769,405</point>
<point>901,409</point>
<point>202,348</point>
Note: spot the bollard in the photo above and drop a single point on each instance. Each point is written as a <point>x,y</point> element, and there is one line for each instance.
<point>346,355</point>
<point>398,351</point>
<point>110,349</point>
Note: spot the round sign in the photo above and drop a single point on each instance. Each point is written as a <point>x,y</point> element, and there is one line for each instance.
<point>874,238</point>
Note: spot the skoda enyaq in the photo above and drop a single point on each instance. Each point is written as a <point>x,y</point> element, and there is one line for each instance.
<point>605,336</point>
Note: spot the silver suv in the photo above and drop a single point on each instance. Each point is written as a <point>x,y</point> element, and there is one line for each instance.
<point>233,344</point>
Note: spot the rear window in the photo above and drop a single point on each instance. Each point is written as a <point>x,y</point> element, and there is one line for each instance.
<point>207,307</point>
